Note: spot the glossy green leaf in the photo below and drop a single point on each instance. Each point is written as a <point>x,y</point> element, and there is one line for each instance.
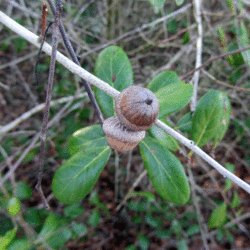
<point>174,97</point>
<point>164,138</point>
<point>162,80</point>
<point>85,138</point>
<point>211,118</point>
<point>23,191</point>
<point>179,2</point>
<point>55,232</point>
<point>7,238</point>
<point>14,206</point>
<point>218,216</point>
<point>78,175</point>
<point>165,171</point>
<point>112,66</point>
<point>185,123</point>
<point>158,5</point>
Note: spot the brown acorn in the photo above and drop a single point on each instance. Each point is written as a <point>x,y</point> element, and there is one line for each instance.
<point>119,137</point>
<point>137,108</point>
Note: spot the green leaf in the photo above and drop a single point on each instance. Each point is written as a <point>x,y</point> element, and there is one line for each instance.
<point>88,137</point>
<point>79,228</point>
<point>137,206</point>
<point>94,198</point>
<point>162,80</point>
<point>33,217</point>
<point>7,238</point>
<point>193,229</point>
<point>78,175</point>
<point>23,191</point>
<point>174,97</point>
<point>112,66</point>
<point>165,171</point>
<point>236,200</point>
<point>153,222</point>
<point>14,206</point>
<point>158,5</point>
<point>164,138</point>
<point>20,245</point>
<point>179,2</point>
<point>218,216</point>
<point>149,196</point>
<point>73,211</point>
<point>131,247</point>
<point>163,233</point>
<point>143,242</point>
<point>55,232</point>
<point>185,123</point>
<point>211,118</point>
<point>244,41</point>
<point>229,236</point>
<point>94,218</point>
<point>182,245</point>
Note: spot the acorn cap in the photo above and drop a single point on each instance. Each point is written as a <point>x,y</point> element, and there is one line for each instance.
<point>119,137</point>
<point>137,108</point>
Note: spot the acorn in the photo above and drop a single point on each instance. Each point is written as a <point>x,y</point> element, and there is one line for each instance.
<point>119,137</point>
<point>137,108</point>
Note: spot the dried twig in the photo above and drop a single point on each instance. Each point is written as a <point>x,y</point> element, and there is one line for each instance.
<point>195,79</point>
<point>75,60</point>
<point>48,99</point>
<point>28,114</point>
<point>214,58</point>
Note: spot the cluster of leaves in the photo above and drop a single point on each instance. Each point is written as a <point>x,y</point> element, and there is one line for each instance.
<point>89,149</point>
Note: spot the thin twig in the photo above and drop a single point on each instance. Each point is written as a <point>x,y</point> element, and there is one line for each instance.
<point>4,86</point>
<point>196,205</point>
<point>214,58</point>
<point>138,29</point>
<point>18,60</point>
<point>75,60</point>
<point>117,159</point>
<point>135,184</point>
<point>48,99</point>
<point>28,114</point>
<point>195,79</point>
<point>223,83</point>
<point>44,15</point>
